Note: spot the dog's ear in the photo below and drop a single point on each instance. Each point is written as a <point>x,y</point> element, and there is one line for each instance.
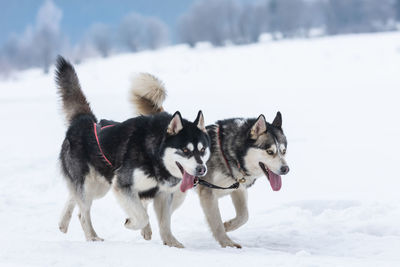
<point>175,125</point>
<point>199,121</point>
<point>259,127</point>
<point>278,120</point>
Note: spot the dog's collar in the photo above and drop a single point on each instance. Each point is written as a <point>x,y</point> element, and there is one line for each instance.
<point>95,126</point>
<point>241,180</point>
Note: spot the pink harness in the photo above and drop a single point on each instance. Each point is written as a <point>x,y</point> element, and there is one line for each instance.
<point>98,143</point>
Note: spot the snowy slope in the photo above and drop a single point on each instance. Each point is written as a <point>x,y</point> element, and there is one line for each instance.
<point>339,206</point>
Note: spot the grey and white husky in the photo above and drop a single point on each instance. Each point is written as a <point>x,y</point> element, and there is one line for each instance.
<point>143,158</point>
<point>241,150</point>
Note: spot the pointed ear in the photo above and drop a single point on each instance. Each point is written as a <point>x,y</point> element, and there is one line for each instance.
<point>259,127</point>
<point>278,120</point>
<point>199,121</point>
<point>175,125</point>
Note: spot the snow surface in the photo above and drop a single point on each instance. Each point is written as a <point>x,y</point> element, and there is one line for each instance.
<point>339,205</point>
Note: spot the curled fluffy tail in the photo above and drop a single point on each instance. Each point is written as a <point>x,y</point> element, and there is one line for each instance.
<point>73,99</point>
<point>147,94</point>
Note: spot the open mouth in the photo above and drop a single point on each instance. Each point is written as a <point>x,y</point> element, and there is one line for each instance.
<point>188,180</point>
<point>274,179</point>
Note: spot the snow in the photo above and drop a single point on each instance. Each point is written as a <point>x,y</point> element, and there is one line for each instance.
<point>338,206</point>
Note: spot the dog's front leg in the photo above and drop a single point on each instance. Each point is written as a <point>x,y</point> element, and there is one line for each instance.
<point>146,231</point>
<point>209,203</point>
<point>239,200</point>
<point>131,203</point>
<point>163,208</point>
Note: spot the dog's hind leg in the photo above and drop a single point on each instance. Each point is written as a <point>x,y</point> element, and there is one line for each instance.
<point>85,219</point>
<point>163,206</point>
<point>239,200</point>
<point>209,203</point>
<point>146,231</point>
<point>66,214</point>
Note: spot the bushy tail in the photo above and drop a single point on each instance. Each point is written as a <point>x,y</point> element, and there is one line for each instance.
<point>147,94</point>
<point>73,99</point>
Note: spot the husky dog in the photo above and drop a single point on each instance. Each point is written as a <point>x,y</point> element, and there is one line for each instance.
<point>147,157</point>
<point>241,150</point>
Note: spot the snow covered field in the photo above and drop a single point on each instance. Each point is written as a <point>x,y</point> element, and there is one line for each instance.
<point>339,205</point>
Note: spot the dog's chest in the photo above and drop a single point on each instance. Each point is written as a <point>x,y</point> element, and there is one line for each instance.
<point>171,185</point>
<point>143,182</point>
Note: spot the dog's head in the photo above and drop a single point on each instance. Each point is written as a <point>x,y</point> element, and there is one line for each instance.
<point>186,149</point>
<point>267,150</point>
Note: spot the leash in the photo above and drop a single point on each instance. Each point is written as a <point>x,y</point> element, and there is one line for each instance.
<point>238,181</point>
<point>213,186</point>
<point>98,143</point>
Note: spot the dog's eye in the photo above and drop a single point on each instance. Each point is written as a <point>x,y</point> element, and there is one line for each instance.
<point>284,152</point>
<point>270,152</point>
<point>203,150</point>
<point>185,150</point>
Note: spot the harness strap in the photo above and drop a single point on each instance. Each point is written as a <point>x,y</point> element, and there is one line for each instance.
<point>98,143</point>
<point>241,180</point>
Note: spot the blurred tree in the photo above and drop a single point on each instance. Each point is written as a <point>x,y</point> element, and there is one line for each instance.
<point>397,9</point>
<point>47,39</point>
<point>355,16</point>
<point>101,37</point>
<point>213,21</point>
<point>156,33</point>
<point>137,32</point>
<point>131,31</point>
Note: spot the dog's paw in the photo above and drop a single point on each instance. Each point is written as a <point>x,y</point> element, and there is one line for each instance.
<point>135,225</point>
<point>173,243</point>
<point>63,228</point>
<point>229,243</point>
<point>228,226</point>
<point>146,232</point>
<point>95,239</point>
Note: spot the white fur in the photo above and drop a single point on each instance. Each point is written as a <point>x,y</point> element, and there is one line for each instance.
<point>96,186</point>
<point>190,147</point>
<point>142,182</point>
<point>148,87</point>
<point>199,146</point>
<point>273,148</point>
<point>282,148</point>
<point>239,122</point>
<point>134,208</point>
<point>206,155</point>
<point>164,205</point>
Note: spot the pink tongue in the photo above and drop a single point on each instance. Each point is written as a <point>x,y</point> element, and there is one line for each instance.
<point>275,181</point>
<point>187,181</point>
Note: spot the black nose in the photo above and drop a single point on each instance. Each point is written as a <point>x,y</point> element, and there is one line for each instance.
<point>201,170</point>
<point>284,169</point>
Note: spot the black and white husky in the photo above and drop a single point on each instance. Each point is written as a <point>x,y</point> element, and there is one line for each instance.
<point>241,150</point>
<point>147,157</point>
